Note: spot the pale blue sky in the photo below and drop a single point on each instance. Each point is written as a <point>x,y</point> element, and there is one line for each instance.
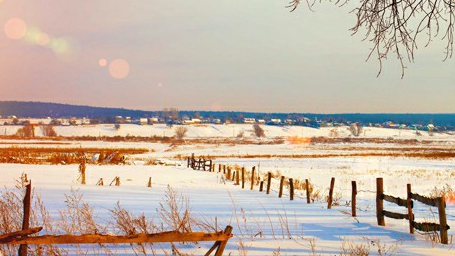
<point>211,55</point>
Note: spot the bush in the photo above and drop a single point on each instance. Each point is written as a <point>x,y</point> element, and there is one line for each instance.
<point>258,131</point>
<point>180,132</point>
<point>48,131</point>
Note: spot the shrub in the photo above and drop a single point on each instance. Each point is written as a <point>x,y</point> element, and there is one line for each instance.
<point>258,131</point>
<point>48,130</point>
<point>180,132</point>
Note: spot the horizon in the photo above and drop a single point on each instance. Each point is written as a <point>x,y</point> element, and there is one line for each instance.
<point>230,56</point>
<point>249,112</point>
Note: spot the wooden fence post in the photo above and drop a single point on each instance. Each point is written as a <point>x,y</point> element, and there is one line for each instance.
<point>219,167</point>
<point>443,219</point>
<point>380,201</point>
<point>100,182</point>
<point>192,161</point>
<point>269,181</point>
<point>149,184</point>
<point>228,176</point>
<point>280,194</point>
<point>252,178</point>
<point>261,186</point>
<point>243,177</point>
<point>354,198</point>
<point>410,214</point>
<point>329,201</point>
<point>291,189</point>
<point>237,178</point>
<point>188,163</point>
<point>222,246</point>
<point>224,169</point>
<point>308,193</point>
<point>23,249</point>
<point>210,168</point>
<point>233,175</point>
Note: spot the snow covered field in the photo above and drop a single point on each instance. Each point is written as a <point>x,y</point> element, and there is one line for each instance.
<point>263,224</point>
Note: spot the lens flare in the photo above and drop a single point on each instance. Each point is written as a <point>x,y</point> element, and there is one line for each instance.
<point>15,28</point>
<point>43,39</point>
<point>119,68</point>
<point>102,62</point>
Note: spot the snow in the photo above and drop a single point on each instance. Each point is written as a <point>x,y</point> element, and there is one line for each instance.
<point>263,224</point>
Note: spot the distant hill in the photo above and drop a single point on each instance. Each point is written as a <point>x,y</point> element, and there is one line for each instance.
<point>55,110</point>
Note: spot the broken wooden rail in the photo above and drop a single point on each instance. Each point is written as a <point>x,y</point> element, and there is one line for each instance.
<point>439,202</point>
<point>23,239</point>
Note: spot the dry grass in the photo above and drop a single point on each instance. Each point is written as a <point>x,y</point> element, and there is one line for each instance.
<point>56,155</point>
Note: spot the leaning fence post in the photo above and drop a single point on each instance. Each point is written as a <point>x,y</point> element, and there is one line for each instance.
<point>291,189</point>
<point>220,250</point>
<point>308,193</point>
<point>443,219</point>
<point>149,184</point>
<point>269,181</point>
<point>23,249</point>
<point>252,178</point>
<point>379,201</point>
<point>329,201</point>
<point>410,214</point>
<point>354,198</point>
<point>280,193</point>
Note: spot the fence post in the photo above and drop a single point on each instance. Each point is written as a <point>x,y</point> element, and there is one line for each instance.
<point>243,177</point>
<point>252,178</point>
<point>269,182</point>
<point>443,219</point>
<point>219,167</point>
<point>224,169</point>
<point>280,194</point>
<point>308,194</point>
<point>233,175</point>
<point>354,198</point>
<point>149,184</point>
<point>228,177</point>
<point>261,186</point>
<point>291,189</point>
<point>410,214</point>
<point>192,161</point>
<point>220,250</point>
<point>332,185</point>
<point>23,249</point>
<point>210,168</point>
<point>380,201</point>
<point>237,178</point>
<point>188,163</point>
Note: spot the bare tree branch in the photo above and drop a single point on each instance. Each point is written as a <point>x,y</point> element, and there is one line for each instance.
<point>395,27</point>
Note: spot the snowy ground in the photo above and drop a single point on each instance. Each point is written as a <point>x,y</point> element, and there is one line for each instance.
<point>263,224</point>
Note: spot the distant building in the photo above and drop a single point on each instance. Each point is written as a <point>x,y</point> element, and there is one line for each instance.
<point>249,120</point>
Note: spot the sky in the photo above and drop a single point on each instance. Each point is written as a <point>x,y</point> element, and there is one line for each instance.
<point>231,55</point>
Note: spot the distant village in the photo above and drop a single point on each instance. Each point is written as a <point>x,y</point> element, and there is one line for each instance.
<point>199,120</point>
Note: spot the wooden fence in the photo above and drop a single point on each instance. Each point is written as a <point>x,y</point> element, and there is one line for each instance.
<point>380,197</point>
<point>199,164</point>
<point>407,203</point>
<point>23,239</point>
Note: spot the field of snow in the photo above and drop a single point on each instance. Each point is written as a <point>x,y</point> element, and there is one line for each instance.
<point>262,224</point>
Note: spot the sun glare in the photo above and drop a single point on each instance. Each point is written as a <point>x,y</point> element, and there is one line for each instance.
<point>119,68</point>
<point>15,28</point>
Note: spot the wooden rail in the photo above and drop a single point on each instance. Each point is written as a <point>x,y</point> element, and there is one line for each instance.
<point>23,239</point>
<point>439,202</point>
